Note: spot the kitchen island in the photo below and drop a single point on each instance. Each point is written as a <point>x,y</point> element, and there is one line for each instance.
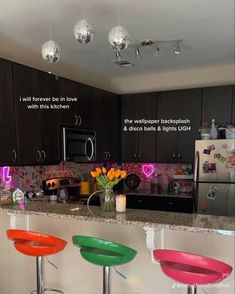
<point>194,233</point>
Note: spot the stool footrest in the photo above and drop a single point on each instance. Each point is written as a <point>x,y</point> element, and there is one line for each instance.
<point>53,290</point>
<point>48,290</point>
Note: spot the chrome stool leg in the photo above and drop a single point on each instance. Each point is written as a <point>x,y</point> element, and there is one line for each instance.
<point>40,278</point>
<point>40,274</point>
<point>192,289</point>
<point>106,279</point>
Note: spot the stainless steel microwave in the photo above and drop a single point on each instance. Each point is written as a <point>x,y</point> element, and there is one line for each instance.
<point>79,145</point>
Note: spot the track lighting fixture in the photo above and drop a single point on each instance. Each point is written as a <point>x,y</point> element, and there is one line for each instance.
<point>177,50</point>
<point>137,52</point>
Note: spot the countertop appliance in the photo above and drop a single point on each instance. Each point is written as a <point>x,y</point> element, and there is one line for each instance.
<point>78,145</point>
<point>214,177</point>
<point>65,188</point>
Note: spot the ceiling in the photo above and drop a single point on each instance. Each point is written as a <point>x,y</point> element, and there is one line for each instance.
<point>205,26</point>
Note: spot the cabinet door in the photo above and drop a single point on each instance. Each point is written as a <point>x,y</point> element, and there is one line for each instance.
<point>107,125</point>
<point>26,85</point>
<point>80,113</point>
<point>167,108</point>
<point>114,130</point>
<point>216,103</point>
<point>85,107</point>
<point>50,121</point>
<point>189,103</point>
<point>69,117</point>
<point>7,115</point>
<point>129,139</point>
<point>147,109</point>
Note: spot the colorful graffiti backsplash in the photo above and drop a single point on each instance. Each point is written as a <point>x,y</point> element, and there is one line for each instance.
<point>147,171</point>
<point>31,177</point>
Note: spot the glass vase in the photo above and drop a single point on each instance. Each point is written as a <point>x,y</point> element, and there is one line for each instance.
<point>107,200</point>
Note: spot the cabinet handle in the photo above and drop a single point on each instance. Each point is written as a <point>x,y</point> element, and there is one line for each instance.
<point>179,155</point>
<point>139,155</point>
<point>79,120</point>
<point>105,155</point>
<point>173,155</point>
<point>15,155</point>
<point>76,119</point>
<point>134,155</point>
<point>39,155</point>
<point>44,155</point>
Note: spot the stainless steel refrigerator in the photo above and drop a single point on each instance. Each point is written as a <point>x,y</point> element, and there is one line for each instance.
<point>214,177</point>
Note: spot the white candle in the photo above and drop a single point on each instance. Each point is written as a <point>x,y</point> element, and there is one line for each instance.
<point>121,203</point>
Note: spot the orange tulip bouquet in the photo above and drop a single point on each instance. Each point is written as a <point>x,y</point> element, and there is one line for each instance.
<point>107,179</point>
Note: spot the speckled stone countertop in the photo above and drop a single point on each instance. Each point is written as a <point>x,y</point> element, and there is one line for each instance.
<point>142,218</point>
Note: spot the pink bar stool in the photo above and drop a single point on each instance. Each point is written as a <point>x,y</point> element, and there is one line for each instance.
<point>191,269</point>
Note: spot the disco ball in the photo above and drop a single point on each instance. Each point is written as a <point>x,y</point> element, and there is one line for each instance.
<point>83,31</point>
<point>119,38</point>
<point>51,52</point>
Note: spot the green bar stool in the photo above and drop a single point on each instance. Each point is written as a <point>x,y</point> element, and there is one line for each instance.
<point>104,253</point>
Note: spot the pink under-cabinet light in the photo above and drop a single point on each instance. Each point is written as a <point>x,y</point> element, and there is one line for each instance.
<point>148,170</point>
<point>6,178</point>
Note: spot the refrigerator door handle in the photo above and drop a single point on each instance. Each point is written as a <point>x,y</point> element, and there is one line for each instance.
<point>196,167</point>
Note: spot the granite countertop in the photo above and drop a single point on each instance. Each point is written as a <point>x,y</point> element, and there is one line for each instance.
<point>142,218</point>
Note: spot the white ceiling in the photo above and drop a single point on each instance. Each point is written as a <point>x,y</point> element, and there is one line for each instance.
<point>206,27</point>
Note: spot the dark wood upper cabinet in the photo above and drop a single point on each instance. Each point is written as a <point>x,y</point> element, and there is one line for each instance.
<point>8,148</point>
<point>167,108</point>
<point>37,128</point>
<point>178,145</point>
<point>107,125</point>
<point>68,88</point>
<point>190,108</point>
<point>129,139</point>
<point>33,136</point>
<point>138,145</point>
<point>49,121</point>
<point>28,132</point>
<point>216,103</point>
<point>147,139</point>
<point>80,113</point>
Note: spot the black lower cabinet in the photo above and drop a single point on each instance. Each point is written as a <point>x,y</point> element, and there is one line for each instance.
<point>172,204</point>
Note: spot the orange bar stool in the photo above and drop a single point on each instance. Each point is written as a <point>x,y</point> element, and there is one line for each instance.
<point>37,245</point>
<point>191,269</point>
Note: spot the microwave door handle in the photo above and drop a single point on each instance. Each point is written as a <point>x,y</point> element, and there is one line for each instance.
<point>196,167</point>
<point>86,149</point>
<point>92,149</point>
